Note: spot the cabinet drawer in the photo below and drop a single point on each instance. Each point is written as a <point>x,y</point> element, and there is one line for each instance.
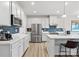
<point>14,45</point>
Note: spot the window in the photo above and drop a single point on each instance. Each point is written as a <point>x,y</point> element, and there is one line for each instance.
<point>75,25</point>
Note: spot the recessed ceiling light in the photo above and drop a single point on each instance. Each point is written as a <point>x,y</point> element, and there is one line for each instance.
<point>33,3</point>
<point>78,16</point>
<point>64,16</point>
<point>66,3</point>
<point>58,11</point>
<point>34,11</point>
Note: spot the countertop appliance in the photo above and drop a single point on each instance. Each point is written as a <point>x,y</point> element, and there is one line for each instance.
<point>36,33</point>
<point>5,36</point>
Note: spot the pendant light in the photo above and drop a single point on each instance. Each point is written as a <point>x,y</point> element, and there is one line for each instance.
<point>64,15</point>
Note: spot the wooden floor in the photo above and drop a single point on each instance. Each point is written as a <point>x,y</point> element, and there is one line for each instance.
<point>37,50</point>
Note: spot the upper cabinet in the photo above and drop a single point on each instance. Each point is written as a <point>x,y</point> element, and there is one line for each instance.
<point>6,9</point>
<point>16,10</point>
<point>45,22</point>
<point>5,13</point>
<point>13,9</point>
<point>53,20</point>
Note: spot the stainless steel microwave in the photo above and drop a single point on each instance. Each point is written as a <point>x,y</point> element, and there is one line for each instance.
<point>15,21</point>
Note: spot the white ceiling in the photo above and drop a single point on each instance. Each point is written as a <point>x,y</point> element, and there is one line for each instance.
<point>50,7</point>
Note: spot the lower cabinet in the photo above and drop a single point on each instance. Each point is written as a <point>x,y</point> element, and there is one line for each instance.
<point>44,36</point>
<point>17,49</point>
<point>20,50</point>
<point>26,43</point>
<point>15,52</point>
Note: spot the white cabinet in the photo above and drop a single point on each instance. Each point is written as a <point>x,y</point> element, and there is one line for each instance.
<point>51,47</point>
<point>18,11</point>
<point>14,9</point>
<point>33,20</point>
<point>26,42</point>
<point>14,48</point>
<point>44,36</point>
<point>23,18</point>
<point>15,52</point>
<point>17,49</point>
<point>24,22</point>
<point>20,48</point>
<point>45,22</point>
<point>53,20</point>
<point>5,13</point>
<point>6,8</point>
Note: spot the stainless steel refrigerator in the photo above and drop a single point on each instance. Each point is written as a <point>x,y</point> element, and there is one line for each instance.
<point>36,33</point>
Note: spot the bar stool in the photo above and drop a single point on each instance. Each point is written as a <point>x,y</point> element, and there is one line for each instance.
<point>70,45</point>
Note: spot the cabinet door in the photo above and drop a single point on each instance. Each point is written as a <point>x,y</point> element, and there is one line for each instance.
<point>44,37</point>
<point>15,52</point>
<point>25,44</point>
<point>33,20</point>
<point>14,9</point>
<point>18,11</point>
<point>5,13</point>
<point>53,20</point>
<point>45,22</point>
<point>20,48</point>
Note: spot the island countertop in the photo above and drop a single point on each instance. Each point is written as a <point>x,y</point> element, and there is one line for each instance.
<point>53,49</point>
<point>71,36</point>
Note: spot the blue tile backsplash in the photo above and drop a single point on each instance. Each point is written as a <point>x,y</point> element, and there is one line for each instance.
<point>52,29</point>
<point>11,29</point>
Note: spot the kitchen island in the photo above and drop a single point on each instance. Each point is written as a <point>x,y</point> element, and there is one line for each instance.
<point>55,40</point>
